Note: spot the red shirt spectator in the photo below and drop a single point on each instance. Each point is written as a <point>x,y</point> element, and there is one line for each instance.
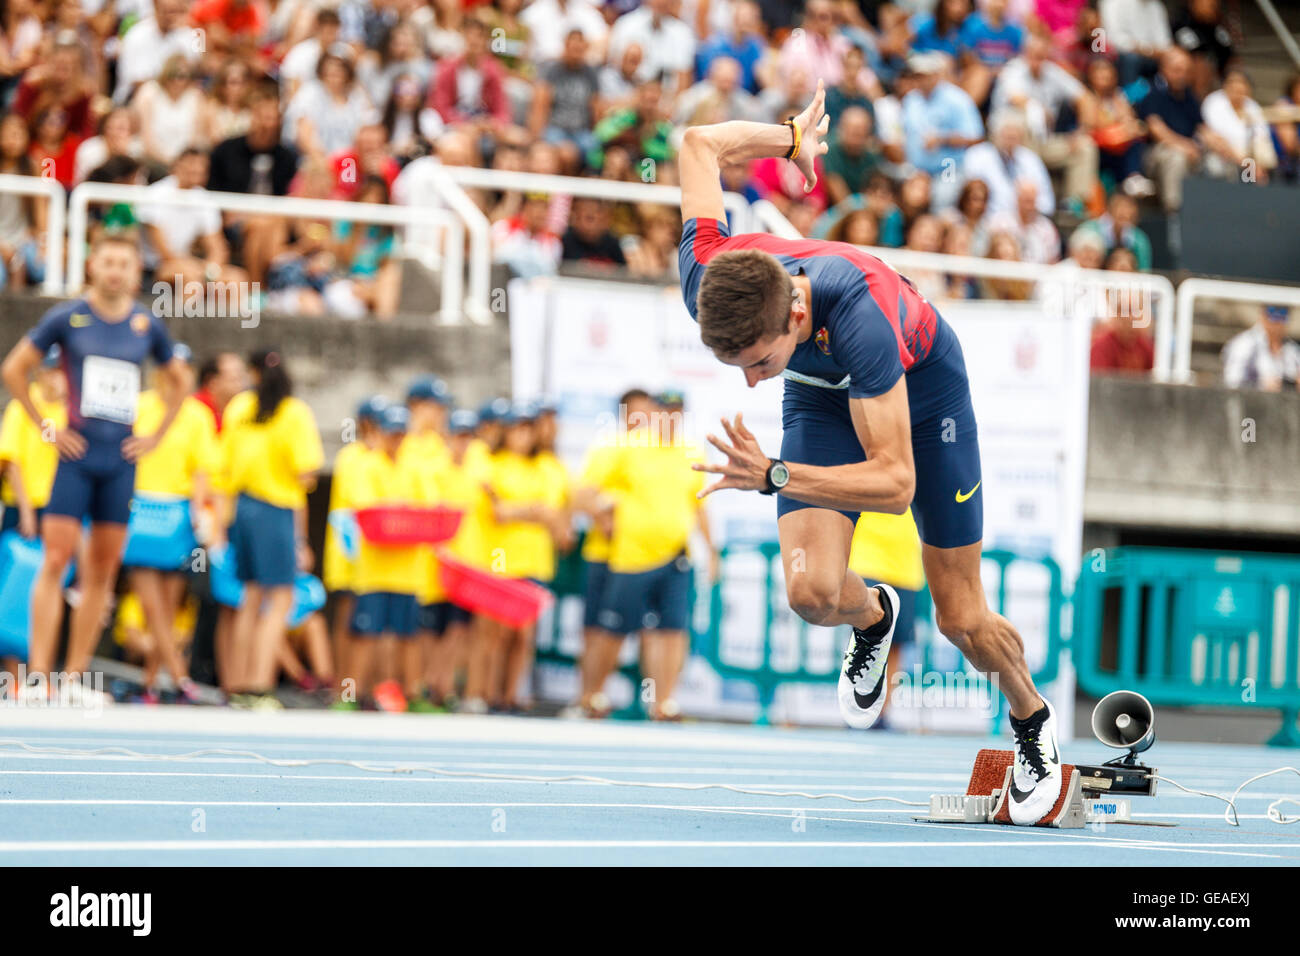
<point>1127,351</point>
<point>457,105</point>
<point>239,17</point>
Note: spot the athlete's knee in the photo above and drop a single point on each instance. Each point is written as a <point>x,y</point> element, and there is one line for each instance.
<point>960,625</point>
<point>814,597</point>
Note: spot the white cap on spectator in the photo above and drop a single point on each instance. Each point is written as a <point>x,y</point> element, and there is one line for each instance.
<point>926,63</point>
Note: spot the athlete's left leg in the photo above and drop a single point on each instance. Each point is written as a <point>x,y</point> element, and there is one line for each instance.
<point>985,638</point>
<point>97,577</point>
<point>820,587</point>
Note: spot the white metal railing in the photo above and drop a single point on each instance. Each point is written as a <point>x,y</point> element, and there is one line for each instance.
<point>1190,289</point>
<point>286,206</point>
<point>56,210</point>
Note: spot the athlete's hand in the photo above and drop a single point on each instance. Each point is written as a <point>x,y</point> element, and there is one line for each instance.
<point>70,444</point>
<point>746,465</point>
<point>814,124</point>
<point>137,446</point>
<point>27,524</point>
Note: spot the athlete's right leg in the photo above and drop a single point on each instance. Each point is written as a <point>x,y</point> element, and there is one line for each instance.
<point>820,587</point>
<point>61,537</point>
<point>97,576</point>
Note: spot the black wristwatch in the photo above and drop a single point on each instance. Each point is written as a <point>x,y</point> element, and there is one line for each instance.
<point>778,476</point>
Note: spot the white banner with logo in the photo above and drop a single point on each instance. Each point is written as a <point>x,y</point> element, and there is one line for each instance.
<point>585,342</point>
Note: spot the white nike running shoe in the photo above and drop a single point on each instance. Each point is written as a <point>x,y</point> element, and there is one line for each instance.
<point>862,677</point>
<point>1036,776</point>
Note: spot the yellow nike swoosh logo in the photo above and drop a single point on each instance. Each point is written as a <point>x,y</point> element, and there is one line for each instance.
<point>966,497</point>
<point>79,320</point>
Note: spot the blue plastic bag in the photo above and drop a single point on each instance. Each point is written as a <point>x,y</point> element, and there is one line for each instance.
<point>20,562</point>
<point>159,534</point>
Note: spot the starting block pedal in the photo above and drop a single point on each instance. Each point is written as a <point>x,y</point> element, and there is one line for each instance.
<point>985,799</point>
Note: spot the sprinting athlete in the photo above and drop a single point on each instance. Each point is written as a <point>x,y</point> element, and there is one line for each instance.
<point>105,338</point>
<point>876,415</point>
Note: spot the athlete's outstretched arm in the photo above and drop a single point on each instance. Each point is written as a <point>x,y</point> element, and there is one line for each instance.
<point>705,149</point>
<point>885,482</point>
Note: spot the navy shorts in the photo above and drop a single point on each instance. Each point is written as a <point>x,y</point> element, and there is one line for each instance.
<point>263,543</point>
<point>385,612</point>
<point>442,615</point>
<point>654,600</point>
<point>949,501</point>
<point>98,486</point>
<point>594,588</point>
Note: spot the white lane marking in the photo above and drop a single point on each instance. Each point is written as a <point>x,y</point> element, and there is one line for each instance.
<point>163,846</point>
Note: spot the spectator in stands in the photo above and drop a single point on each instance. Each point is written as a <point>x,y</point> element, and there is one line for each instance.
<point>618,80</point>
<point>167,112</point>
<point>719,98</point>
<point>368,254</point>
<point>58,83</point>
<point>940,122</point>
<point>848,92</point>
<point>257,162</point>
<point>667,44</point>
<point>941,32</point>
<point>858,228</point>
<point>54,146</point>
<point>299,64</point>
<point>1122,343</point>
<point>1087,249</point>
<point>229,26</point>
<point>549,23</point>
<point>1139,30</point>
<point>988,40</point>
<point>325,115</point>
<point>20,43</point>
<point>116,138</point>
<point>1003,246</point>
<point>880,200</point>
<point>150,41</point>
<point>1175,127</point>
<point>22,218</point>
<point>745,44</point>
<point>1285,121</point>
<point>469,90</point>
<point>588,241</point>
<point>957,242</point>
<point>172,231</point>
<point>512,46</point>
<point>1118,227</point>
<point>816,50</point>
<point>523,243</point>
<point>1262,357</point>
<point>1003,161</point>
<point>1202,30</point>
<point>225,112</point>
<point>652,254</point>
<point>567,102</point>
<point>369,155</point>
<point>972,213</point>
<point>852,157</point>
<point>1043,90</point>
<point>1114,126</point>
<point>410,127</point>
<point>1085,44</point>
<point>1034,233</point>
<point>640,129</point>
<point>1242,149</point>
<point>926,234</point>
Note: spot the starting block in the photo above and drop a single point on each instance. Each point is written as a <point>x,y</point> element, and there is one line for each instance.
<point>985,799</point>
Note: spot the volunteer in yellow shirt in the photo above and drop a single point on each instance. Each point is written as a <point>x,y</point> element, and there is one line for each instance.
<point>656,508</point>
<point>429,401</point>
<point>176,470</point>
<point>29,459</point>
<point>389,577</point>
<point>271,453</point>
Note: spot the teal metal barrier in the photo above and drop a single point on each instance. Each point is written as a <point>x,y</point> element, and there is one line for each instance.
<point>767,678</point>
<point>1192,628</point>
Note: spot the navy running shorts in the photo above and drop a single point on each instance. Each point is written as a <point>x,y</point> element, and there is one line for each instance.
<point>98,486</point>
<point>654,600</point>
<point>263,543</point>
<point>385,612</point>
<point>949,502</point>
<point>594,587</point>
<point>441,615</point>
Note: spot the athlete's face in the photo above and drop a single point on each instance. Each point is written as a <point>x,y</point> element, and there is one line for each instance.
<point>115,269</point>
<point>766,358</point>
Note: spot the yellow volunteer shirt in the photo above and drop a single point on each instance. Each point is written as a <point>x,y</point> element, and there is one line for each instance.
<point>338,569</point>
<point>403,569</point>
<point>887,548</point>
<point>463,487</point>
<point>426,448</point>
<point>190,446</point>
<point>595,474</point>
<point>656,505</point>
<point>264,459</point>
<point>21,442</point>
<point>526,548</point>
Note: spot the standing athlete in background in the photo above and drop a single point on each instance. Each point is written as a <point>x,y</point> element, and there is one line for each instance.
<point>105,338</point>
<point>876,417</point>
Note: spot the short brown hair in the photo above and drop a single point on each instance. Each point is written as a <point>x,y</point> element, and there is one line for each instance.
<point>744,297</point>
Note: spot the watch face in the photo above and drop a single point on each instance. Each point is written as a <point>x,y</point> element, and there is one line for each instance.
<point>780,475</point>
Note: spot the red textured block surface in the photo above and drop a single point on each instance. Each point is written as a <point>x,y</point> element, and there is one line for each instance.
<point>990,771</point>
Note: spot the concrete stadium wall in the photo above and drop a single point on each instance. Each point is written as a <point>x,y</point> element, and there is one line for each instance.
<point>336,363</point>
<point>1194,458</point>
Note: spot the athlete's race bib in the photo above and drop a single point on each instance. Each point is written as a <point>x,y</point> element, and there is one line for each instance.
<point>110,389</point>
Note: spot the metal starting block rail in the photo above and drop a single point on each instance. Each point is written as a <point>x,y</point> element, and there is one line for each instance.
<point>985,799</point>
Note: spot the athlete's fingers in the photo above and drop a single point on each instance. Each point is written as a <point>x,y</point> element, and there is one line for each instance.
<point>716,486</point>
<point>727,469</point>
<point>742,430</point>
<point>824,126</point>
<point>723,447</point>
